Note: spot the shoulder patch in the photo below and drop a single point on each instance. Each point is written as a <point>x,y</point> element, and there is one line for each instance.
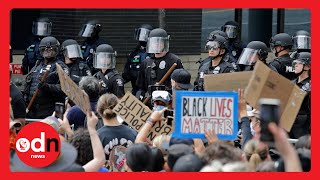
<point>119,82</point>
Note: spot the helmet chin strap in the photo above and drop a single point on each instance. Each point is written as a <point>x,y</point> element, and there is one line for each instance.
<point>277,52</point>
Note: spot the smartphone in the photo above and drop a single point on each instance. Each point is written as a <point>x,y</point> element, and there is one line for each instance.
<point>269,112</point>
<point>59,109</point>
<point>168,114</point>
<point>157,87</point>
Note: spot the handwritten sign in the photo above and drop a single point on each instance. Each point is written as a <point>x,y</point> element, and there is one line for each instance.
<point>227,81</point>
<point>135,114</point>
<point>265,83</point>
<point>71,89</point>
<point>197,111</point>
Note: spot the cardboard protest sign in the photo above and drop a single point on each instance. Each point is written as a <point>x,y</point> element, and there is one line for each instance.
<point>265,83</point>
<point>197,111</point>
<point>135,114</point>
<point>71,89</point>
<point>227,81</point>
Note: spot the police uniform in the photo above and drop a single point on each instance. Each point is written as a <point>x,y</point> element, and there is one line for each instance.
<point>111,82</point>
<point>31,55</point>
<point>301,126</point>
<point>153,69</point>
<point>88,48</point>
<point>132,66</point>
<point>283,65</point>
<point>235,47</point>
<point>77,70</point>
<point>44,104</point>
<point>228,58</point>
<point>207,68</point>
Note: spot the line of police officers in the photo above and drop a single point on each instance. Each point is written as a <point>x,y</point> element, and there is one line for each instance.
<point>150,61</point>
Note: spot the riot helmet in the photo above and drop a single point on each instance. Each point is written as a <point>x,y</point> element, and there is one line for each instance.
<point>301,40</point>
<point>219,32</point>
<point>104,57</point>
<point>49,47</point>
<point>90,29</point>
<point>231,28</point>
<point>302,57</point>
<point>71,49</point>
<point>255,50</point>
<point>142,33</point>
<point>216,42</point>
<point>158,41</point>
<point>42,27</point>
<point>282,39</point>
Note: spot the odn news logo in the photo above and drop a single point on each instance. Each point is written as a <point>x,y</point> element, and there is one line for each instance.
<point>38,144</point>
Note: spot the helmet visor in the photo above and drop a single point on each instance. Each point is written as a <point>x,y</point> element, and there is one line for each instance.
<point>212,45</point>
<point>103,60</point>
<point>41,28</point>
<point>72,51</point>
<point>231,31</point>
<point>87,30</point>
<point>248,57</point>
<point>142,34</point>
<point>158,44</point>
<point>301,42</point>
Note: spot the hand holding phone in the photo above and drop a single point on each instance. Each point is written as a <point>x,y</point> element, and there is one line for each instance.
<point>168,114</point>
<point>269,112</point>
<point>59,109</point>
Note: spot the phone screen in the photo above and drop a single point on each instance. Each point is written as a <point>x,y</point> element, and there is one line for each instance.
<point>269,112</point>
<point>168,114</point>
<point>59,109</point>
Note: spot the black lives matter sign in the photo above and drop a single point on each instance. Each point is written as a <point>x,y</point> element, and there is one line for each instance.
<point>200,111</point>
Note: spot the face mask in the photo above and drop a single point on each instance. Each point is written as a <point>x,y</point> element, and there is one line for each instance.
<point>251,129</point>
<point>158,108</point>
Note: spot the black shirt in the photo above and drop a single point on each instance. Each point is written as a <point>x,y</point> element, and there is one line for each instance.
<point>112,136</point>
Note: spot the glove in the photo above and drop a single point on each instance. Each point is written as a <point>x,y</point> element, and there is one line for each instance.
<point>42,85</point>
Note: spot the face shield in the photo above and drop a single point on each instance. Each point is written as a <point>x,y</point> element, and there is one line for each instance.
<point>72,51</point>
<point>87,30</point>
<point>41,28</point>
<point>248,57</point>
<point>158,44</point>
<point>302,42</point>
<point>104,60</point>
<point>142,34</point>
<point>231,31</point>
<point>212,45</point>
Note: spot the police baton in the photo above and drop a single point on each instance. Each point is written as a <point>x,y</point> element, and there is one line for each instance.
<point>164,78</point>
<point>37,90</point>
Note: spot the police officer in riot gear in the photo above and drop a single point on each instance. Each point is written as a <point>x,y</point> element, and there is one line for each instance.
<point>137,56</point>
<point>90,31</point>
<point>110,80</point>
<point>154,68</point>
<point>235,45</point>
<point>49,90</point>
<point>41,27</point>
<point>302,67</point>
<point>255,50</point>
<point>227,57</point>
<point>281,45</point>
<point>73,59</point>
<point>217,50</point>
<point>301,43</point>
